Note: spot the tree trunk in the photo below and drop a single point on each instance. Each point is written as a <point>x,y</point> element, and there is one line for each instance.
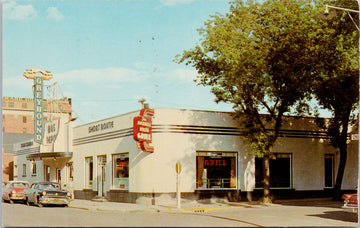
<point>340,174</point>
<point>266,182</point>
<point>341,142</point>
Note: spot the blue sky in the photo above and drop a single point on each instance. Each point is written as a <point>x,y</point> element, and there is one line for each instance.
<point>107,54</point>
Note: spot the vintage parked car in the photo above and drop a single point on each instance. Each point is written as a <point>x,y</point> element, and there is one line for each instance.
<point>14,191</point>
<point>350,202</point>
<point>46,192</point>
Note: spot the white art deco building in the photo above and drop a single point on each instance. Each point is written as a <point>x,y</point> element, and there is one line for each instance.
<point>106,161</point>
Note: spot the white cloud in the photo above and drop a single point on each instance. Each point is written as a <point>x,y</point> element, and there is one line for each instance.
<point>174,2</point>
<point>184,74</point>
<point>17,86</point>
<point>14,11</point>
<point>54,13</point>
<point>103,76</point>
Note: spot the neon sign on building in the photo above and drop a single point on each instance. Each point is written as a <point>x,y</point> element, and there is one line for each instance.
<point>39,76</point>
<point>142,130</point>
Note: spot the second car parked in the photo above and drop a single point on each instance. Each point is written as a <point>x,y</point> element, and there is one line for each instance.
<point>45,192</point>
<point>350,202</point>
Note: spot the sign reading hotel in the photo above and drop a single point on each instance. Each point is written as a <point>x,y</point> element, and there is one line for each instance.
<point>142,130</point>
<point>39,76</point>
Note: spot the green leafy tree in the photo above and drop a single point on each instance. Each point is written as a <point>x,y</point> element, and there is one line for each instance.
<point>337,87</point>
<point>259,57</point>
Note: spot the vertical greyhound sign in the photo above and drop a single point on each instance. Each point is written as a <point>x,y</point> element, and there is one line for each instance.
<point>39,109</point>
<point>39,76</point>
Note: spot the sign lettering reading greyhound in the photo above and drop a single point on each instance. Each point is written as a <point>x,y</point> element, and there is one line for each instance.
<point>39,76</point>
<point>39,111</point>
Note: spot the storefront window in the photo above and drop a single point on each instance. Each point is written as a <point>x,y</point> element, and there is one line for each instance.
<point>88,172</point>
<point>216,170</point>
<point>280,171</point>
<point>121,171</point>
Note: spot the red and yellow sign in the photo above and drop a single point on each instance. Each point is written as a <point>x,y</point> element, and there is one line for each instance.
<point>31,73</point>
<point>214,162</point>
<point>123,164</point>
<point>142,130</point>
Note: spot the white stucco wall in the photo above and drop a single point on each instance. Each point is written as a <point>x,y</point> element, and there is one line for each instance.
<point>173,147</point>
<point>63,143</point>
<point>18,164</point>
<point>100,148</point>
<point>155,172</point>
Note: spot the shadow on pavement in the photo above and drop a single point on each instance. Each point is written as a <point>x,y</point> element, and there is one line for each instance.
<point>311,203</point>
<point>339,215</point>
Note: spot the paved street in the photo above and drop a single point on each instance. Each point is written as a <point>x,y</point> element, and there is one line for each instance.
<point>21,215</point>
<point>299,213</point>
<point>310,212</point>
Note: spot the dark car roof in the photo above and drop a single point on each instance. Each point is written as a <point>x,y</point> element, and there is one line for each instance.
<point>50,182</point>
<point>45,182</point>
<point>18,181</point>
<point>12,184</point>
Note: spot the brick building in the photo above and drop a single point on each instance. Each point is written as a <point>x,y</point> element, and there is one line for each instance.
<point>18,124</point>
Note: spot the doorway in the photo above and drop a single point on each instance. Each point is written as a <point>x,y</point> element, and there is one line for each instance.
<point>58,176</point>
<point>329,170</point>
<point>101,175</point>
<point>46,172</point>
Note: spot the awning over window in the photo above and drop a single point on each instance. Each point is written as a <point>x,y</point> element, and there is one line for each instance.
<point>47,155</point>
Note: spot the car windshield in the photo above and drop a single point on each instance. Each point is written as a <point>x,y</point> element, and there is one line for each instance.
<point>20,185</point>
<point>49,186</point>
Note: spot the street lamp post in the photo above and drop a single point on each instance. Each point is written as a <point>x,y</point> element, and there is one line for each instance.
<point>339,8</point>
<point>342,162</point>
<point>327,14</point>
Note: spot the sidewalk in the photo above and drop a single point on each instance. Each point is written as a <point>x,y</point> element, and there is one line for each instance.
<point>160,205</point>
<point>108,206</point>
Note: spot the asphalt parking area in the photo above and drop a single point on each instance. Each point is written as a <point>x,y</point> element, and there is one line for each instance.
<point>307,212</point>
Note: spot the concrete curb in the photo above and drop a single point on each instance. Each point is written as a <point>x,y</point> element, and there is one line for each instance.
<point>192,209</point>
<point>99,206</point>
<point>78,207</point>
<point>159,208</point>
<point>112,209</point>
<point>201,210</point>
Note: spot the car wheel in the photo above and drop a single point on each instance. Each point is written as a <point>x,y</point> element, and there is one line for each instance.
<point>38,202</point>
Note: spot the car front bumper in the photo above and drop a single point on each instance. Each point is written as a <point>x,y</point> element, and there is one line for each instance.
<point>350,208</point>
<point>17,196</point>
<point>53,200</point>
